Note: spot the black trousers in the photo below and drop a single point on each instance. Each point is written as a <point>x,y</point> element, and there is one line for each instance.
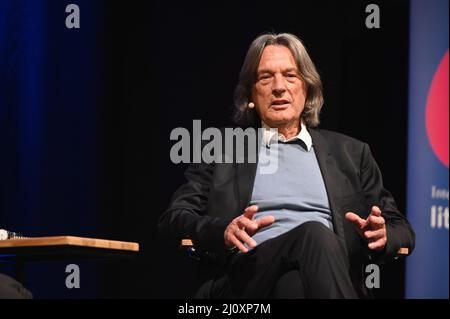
<point>306,262</point>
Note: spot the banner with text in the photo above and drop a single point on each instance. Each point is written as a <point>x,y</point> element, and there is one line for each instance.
<point>428,150</point>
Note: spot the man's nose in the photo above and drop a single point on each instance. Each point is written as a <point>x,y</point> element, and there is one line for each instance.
<point>279,85</point>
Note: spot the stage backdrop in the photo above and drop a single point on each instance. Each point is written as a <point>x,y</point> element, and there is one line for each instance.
<point>48,133</point>
<point>427,268</point>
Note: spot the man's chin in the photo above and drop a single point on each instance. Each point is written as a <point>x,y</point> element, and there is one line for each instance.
<point>278,122</point>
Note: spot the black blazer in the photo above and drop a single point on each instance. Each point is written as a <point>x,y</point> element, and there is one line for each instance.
<point>215,194</point>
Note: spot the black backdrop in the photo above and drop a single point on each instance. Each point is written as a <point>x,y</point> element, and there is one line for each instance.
<point>166,64</point>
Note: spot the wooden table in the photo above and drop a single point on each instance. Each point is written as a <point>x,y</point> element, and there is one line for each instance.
<point>58,247</point>
<point>22,250</point>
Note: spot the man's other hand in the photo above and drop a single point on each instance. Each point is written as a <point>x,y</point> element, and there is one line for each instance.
<point>373,229</point>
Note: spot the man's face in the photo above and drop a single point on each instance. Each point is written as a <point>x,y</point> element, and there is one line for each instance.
<point>279,93</point>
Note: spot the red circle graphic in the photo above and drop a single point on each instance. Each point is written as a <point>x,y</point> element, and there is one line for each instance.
<point>436,114</point>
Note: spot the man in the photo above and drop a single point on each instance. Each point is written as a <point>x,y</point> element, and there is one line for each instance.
<point>306,229</point>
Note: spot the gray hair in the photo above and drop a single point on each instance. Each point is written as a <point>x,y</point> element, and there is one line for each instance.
<point>247,78</point>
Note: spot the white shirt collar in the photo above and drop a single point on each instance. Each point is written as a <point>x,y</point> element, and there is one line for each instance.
<point>270,134</point>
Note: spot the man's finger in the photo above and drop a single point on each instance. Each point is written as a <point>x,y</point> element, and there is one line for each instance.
<point>247,224</point>
<point>245,238</point>
<point>358,221</point>
<point>250,211</point>
<point>236,242</point>
<point>377,245</point>
<point>376,211</point>
<point>376,222</point>
<point>265,221</point>
<point>375,234</point>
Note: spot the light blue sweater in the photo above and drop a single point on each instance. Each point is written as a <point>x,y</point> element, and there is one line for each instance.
<point>295,193</point>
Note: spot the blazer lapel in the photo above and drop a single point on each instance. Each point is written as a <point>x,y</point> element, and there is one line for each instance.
<point>245,179</point>
<point>245,176</point>
<point>328,166</point>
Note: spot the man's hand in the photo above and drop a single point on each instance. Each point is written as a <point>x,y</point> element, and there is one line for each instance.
<point>242,228</point>
<point>373,229</point>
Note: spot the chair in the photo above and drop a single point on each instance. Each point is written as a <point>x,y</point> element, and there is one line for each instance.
<point>288,279</point>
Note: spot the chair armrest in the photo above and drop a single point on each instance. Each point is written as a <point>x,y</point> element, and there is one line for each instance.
<point>187,246</point>
<point>186,243</point>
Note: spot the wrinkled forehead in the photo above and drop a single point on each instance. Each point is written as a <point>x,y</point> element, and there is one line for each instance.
<point>278,57</point>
